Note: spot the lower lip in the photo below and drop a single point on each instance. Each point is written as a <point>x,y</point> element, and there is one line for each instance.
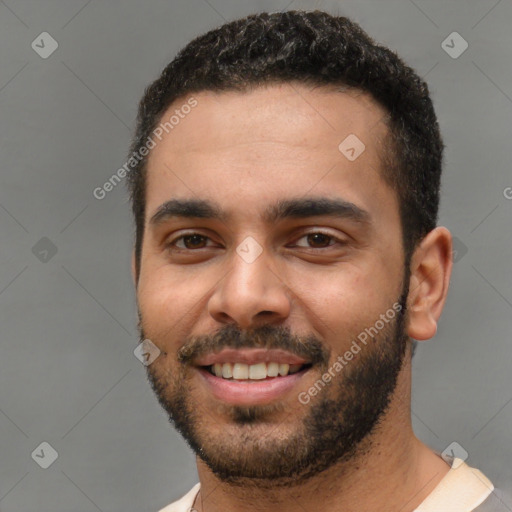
<point>254,392</point>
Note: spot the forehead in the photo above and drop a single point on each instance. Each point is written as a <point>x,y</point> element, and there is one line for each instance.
<point>290,113</point>
<point>270,142</point>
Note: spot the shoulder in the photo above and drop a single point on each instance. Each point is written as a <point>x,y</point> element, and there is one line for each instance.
<point>463,489</point>
<point>184,504</point>
<point>499,500</point>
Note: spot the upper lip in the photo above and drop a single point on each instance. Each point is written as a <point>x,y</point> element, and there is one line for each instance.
<point>249,356</point>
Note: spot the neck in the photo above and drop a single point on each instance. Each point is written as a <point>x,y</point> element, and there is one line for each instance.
<point>391,471</point>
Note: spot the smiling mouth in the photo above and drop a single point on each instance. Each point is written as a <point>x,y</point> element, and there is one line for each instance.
<point>254,372</point>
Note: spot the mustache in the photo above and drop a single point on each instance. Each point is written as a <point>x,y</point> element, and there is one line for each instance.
<point>266,337</point>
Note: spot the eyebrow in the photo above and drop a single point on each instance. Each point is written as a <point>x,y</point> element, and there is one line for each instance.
<point>299,208</point>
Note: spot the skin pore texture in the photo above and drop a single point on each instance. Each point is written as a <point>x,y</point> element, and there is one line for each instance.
<point>318,283</point>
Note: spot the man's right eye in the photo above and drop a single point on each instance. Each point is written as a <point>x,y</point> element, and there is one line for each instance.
<point>189,241</point>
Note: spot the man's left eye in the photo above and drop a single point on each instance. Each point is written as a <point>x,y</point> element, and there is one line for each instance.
<point>319,240</point>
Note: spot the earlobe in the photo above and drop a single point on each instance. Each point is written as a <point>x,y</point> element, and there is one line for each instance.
<point>431,267</point>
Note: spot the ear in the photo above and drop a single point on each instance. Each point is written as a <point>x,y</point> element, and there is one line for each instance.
<point>133,269</point>
<point>431,268</point>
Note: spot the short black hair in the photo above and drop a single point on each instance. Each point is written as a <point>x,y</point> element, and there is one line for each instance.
<point>319,49</point>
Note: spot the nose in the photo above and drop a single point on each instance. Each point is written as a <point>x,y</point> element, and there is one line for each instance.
<point>251,293</point>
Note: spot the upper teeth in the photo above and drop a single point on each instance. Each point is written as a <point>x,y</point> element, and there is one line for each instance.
<point>257,371</point>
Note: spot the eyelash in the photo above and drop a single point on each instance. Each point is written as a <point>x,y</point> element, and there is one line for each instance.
<point>172,244</point>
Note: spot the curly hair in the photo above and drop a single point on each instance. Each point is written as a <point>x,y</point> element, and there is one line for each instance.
<point>314,48</point>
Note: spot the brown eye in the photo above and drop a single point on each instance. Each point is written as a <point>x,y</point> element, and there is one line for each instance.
<point>319,240</point>
<point>189,242</point>
<point>194,241</point>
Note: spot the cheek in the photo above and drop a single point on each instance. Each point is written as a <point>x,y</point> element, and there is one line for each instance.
<point>343,302</point>
<point>167,300</point>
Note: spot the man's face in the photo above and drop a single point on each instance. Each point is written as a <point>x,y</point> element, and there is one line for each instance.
<point>254,289</point>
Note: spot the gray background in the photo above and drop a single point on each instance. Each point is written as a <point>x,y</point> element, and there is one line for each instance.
<point>68,375</point>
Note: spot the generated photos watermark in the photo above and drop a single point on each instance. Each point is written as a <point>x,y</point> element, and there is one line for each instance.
<point>137,156</point>
<point>304,397</point>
